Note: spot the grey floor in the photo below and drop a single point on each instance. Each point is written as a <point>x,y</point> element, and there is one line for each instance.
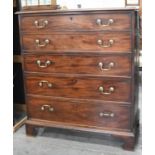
<point>61,142</point>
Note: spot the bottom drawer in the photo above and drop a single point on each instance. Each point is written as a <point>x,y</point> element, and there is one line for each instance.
<point>80,113</point>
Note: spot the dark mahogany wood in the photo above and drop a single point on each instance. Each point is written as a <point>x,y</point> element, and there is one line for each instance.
<point>69,96</point>
<point>76,22</point>
<point>78,42</point>
<point>80,113</point>
<point>77,64</point>
<point>31,130</point>
<point>129,142</point>
<point>79,11</point>
<point>76,87</point>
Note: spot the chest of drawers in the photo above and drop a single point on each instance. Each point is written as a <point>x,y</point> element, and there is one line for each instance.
<point>80,71</point>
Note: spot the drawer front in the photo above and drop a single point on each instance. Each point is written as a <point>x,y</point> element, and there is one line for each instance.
<point>92,42</point>
<point>108,89</point>
<point>119,65</point>
<point>92,22</point>
<point>79,113</point>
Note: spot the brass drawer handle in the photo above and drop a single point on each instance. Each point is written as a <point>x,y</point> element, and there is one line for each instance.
<point>100,22</point>
<point>105,44</point>
<point>41,65</point>
<point>45,43</point>
<point>110,91</point>
<point>40,24</point>
<point>42,82</point>
<point>106,114</point>
<point>104,68</point>
<point>48,107</point>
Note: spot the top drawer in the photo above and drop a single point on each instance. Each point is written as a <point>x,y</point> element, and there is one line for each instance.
<point>89,22</point>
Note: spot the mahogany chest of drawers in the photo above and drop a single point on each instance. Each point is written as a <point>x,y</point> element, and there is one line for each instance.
<point>80,71</point>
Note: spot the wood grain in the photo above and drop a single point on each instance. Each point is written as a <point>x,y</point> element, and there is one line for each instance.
<point>77,64</point>
<point>75,87</point>
<point>78,42</point>
<point>81,113</point>
<point>76,22</point>
<point>74,76</point>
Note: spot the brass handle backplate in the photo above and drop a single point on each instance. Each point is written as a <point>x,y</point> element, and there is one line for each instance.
<point>106,114</point>
<point>105,44</point>
<point>101,23</point>
<point>104,67</point>
<point>110,91</point>
<point>45,43</point>
<point>42,82</point>
<point>48,107</point>
<point>40,24</point>
<point>43,65</point>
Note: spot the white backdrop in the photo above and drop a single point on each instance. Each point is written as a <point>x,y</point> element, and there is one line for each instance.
<point>72,4</point>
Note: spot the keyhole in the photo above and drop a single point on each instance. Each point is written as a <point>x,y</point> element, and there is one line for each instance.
<point>71,18</point>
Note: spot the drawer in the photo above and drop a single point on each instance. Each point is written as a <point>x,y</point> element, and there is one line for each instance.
<point>90,42</point>
<point>108,89</point>
<point>103,115</point>
<point>90,22</point>
<point>105,65</point>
